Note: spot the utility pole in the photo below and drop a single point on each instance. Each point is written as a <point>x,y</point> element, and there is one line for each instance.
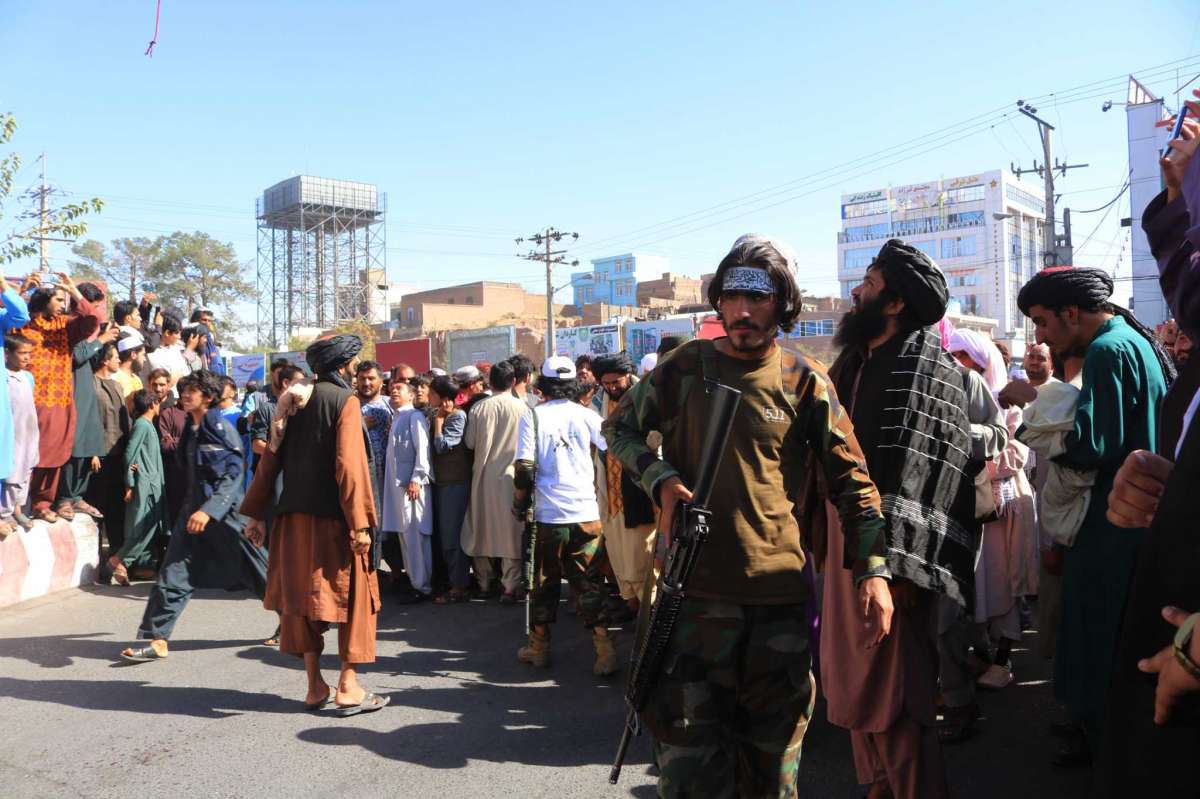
<point>548,238</point>
<point>1056,250</point>
<point>43,195</point>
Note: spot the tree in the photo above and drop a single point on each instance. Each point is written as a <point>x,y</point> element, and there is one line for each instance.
<point>194,270</point>
<point>63,222</point>
<point>125,269</point>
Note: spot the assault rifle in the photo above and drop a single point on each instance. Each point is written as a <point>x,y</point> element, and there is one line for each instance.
<point>689,531</point>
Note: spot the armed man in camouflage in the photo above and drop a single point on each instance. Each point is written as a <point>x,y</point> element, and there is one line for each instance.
<point>731,706</point>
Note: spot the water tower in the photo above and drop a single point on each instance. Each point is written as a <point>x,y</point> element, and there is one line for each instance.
<point>321,250</point>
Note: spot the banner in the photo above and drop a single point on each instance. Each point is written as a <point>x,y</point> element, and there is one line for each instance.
<point>245,368</point>
<point>644,337</point>
<point>414,351</point>
<point>294,358</point>
<point>591,340</point>
<point>468,347</point>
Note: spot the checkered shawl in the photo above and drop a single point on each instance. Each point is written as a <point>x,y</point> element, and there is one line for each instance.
<point>921,468</point>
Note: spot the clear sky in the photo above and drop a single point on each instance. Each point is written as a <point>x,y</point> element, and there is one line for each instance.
<point>485,120</point>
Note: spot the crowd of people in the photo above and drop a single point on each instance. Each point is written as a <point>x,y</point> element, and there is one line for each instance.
<point>886,531</point>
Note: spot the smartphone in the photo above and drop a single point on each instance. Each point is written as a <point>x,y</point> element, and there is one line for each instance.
<point>1176,132</point>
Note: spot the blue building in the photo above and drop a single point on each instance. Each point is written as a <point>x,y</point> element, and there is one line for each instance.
<point>613,279</point>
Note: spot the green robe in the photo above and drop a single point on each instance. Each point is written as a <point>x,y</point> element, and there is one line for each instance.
<point>1123,388</point>
<point>146,512</point>
<point>89,431</point>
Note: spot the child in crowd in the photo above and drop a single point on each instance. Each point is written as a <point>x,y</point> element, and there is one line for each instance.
<point>17,352</point>
<point>146,511</point>
<point>1065,496</point>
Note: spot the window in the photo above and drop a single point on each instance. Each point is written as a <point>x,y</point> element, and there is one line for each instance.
<point>911,227</point>
<point>965,195</point>
<point>450,301</point>
<point>855,210</point>
<point>970,304</point>
<point>867,232</point>
<point>809,328</point>
<point>469,300</point>
<point>1022,197</point>
<point>960,279</point>
<point>929,247</point>
<point>959,246</point>
<point>859,257</point>
<point>412,313</point>
<point>964,219</point>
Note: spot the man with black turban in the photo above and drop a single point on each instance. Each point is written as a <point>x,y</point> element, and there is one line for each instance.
<point>320,570</point>
<point>1124,381</point>
<point>924,425</point>
<point>626,512</point>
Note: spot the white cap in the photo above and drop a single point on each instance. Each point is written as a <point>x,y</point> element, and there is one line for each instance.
<point>130,342</point>
<point>649,361</point>
<point>467,374</point>
<point>559,366</point>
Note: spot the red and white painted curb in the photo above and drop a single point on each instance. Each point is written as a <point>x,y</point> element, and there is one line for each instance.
<point>48,558</point>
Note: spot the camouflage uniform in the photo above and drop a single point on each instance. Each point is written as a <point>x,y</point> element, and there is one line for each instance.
<point>566,551</point>
<point>729,711</point>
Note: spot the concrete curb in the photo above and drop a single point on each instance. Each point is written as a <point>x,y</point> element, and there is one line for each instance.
<point>48,558</point>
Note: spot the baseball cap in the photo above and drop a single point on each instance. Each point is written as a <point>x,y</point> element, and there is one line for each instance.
<point>559,366</point>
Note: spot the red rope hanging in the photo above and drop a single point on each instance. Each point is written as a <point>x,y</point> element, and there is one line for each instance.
<point>154,41</point>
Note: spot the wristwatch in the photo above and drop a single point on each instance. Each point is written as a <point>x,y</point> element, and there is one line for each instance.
<point>1183,640</point>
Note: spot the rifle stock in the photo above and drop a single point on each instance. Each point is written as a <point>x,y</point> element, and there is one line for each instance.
<point>689,531</point>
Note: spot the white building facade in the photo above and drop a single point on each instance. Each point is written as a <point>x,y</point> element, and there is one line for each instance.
<point>983,230</point>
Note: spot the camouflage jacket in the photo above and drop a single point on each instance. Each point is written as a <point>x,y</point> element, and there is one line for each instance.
<point>825,460</point>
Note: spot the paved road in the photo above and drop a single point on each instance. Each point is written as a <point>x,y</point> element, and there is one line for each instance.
<point>219,717</point>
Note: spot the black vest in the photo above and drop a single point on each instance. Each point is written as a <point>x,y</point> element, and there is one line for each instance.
<point>309,453</point>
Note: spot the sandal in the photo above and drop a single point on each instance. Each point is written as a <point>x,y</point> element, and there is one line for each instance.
<point>116,571</point>
<point>89,509</point>
<point>7,528</point>
<point>311,707</point>
<point>274,640</point>
<point>65,511</point>
<point>451,597</point>
<point>143,655</point>
<point>46,515</point>
<point>369,704</point>
<point>23,520</point>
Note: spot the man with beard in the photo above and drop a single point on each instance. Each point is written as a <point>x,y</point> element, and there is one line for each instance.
<point>207,548</point>
<point>909,402</point>
<point>626,513</point>
<point>320,566</point>
<point>54,334</point>
<point>729,712</point>
<point>377,414</point>
<point>1038,366</point>
<point>1123,383</point>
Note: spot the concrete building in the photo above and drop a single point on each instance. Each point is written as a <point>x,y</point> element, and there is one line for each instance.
<point>471,305</point>
<point>674,289</point>
<point>983,230</point>
<point>614,278</point>
<point>1142,112</point>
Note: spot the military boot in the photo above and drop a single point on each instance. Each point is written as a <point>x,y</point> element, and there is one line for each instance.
<point>606,655</point>
<point>537,651</point>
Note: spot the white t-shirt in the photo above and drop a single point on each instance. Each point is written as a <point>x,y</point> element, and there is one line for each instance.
<point>170,358</point>
<point>566,491</point>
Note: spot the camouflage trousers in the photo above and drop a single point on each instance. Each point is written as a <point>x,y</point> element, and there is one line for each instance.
<point>566,551</point>
<point>731,706</point>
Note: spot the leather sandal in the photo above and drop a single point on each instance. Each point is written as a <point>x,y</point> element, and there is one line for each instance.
<point>117,571</point>
<point>65,511</point>
<point>46,515</point>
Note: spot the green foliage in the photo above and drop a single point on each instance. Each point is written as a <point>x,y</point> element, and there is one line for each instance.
<point>126,268</point>
<point>64,222</point>
<point>195,270</point>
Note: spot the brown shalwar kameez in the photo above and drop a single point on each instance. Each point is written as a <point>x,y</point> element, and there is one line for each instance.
<point>313,578</point>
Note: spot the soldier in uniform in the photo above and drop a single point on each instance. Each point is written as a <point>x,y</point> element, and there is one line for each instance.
<point>730,709</point>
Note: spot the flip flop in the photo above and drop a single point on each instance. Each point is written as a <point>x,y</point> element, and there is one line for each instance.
<point>143,655</point>
<point>311,707</point>
<point>370,703</point>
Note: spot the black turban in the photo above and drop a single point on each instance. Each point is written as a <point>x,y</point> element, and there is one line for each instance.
<point>915,278</point>
<point>329,354</point>
<point>1060,286</point>
<point>618,362</point>
<point>1088,289</point>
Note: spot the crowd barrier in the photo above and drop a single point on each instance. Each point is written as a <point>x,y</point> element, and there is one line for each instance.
<point>48,558</point>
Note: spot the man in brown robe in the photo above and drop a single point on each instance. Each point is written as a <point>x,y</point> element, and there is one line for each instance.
<point>319,572</point>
